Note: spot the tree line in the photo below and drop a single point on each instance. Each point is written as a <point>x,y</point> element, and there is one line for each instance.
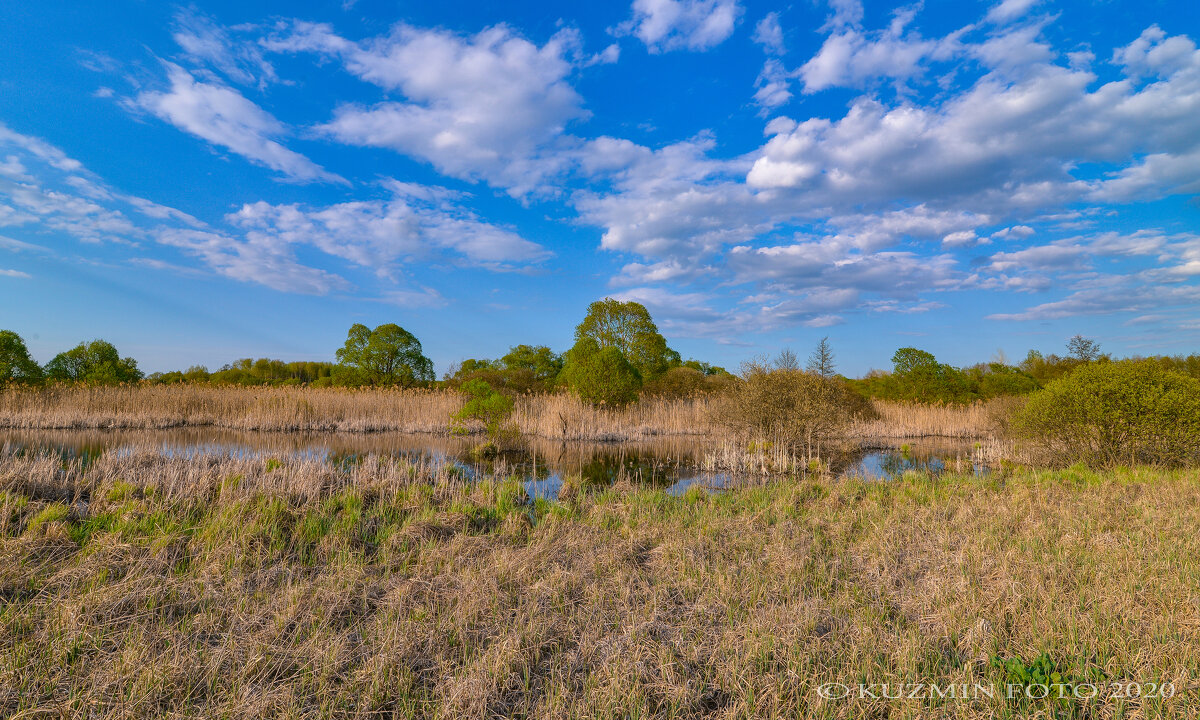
<point>618,355</point>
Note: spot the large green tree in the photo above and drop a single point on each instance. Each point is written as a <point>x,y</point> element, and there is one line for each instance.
<point>387,355</point>
<point>16,364</point>
<point>541,361</point>
<point>601,376</point>
<point>628,327</point>
<point>96,362</point>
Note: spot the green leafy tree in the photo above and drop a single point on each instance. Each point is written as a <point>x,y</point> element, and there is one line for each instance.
<point>917,375</point>
<point>601,375</point>
<point>541,361</point>
<point>995,379</point>
<point>387,355</point>
<point>16,364</point>
<point>627,327</point>
<point>95,363</point>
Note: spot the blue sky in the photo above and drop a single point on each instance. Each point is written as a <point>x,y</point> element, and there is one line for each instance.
<point>198,183</point>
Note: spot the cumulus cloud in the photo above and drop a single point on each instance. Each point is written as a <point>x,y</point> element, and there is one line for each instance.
<point>485,107</point>
<point>224,117</point>
<point>852,57</point>
<point>665,25</point>
<point>773,85</point>
<point>1006,143</point>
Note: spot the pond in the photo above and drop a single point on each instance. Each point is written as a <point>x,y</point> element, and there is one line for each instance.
<point>675,463</point>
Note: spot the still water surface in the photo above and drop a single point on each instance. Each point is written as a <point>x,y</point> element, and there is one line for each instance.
<point>675,463</point>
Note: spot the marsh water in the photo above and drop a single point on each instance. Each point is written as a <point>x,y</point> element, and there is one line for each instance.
<point>675,463</point>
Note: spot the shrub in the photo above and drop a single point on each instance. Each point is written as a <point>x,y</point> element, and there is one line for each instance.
<point>1113,413</point>
<point>797,408</point>
<point>601,376</point>
<point>676,382</point>
<point>486,406</point>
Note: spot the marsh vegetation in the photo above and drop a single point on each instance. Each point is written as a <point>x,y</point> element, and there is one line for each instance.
<point>147,585</point>
<point>607,532</point>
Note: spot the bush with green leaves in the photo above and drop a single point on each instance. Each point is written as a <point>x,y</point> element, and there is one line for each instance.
<point>601,375</point>
<point>16,364</point>
<point>484,405</point>
<point>802,410</point>
<point>95,363</point>
<point>1116,413</point>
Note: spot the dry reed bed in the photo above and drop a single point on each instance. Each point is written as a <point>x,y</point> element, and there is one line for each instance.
<point>231,587</point>
<point>558,416</point>
<point>911,420</point>
<point>561,416</point>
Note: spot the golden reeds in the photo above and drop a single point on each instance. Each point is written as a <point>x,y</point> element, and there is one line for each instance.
<point>558,416</point>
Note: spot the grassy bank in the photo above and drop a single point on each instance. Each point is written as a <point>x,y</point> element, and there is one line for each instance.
<point>151,586</point>
<point>557,416</point>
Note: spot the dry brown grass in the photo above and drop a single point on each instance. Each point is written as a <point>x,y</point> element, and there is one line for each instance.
<point>558,417</point>
<point>152,586</point>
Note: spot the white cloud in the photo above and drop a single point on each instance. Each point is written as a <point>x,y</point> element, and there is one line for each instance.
<point>261,241</point>
<point>417,222</point>
<point>962,238</point>
<point>852,57</point>
<point>14,274</point>
<point>1008,142</point>
<point>485,107</point>
<point>266,262</point>
<point>843,13</point>
<point>203,41</point>
<point>773,85</point>
<point>1009,10</point>
<point>1016,232</point>
<point>665,25</point>
<point>1125,298</point>
<point>222,116</point>
<point>769,33</point>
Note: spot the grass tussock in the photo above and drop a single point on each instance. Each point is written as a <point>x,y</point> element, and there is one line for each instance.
<point>556,416</point>
<point>218,586</point>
